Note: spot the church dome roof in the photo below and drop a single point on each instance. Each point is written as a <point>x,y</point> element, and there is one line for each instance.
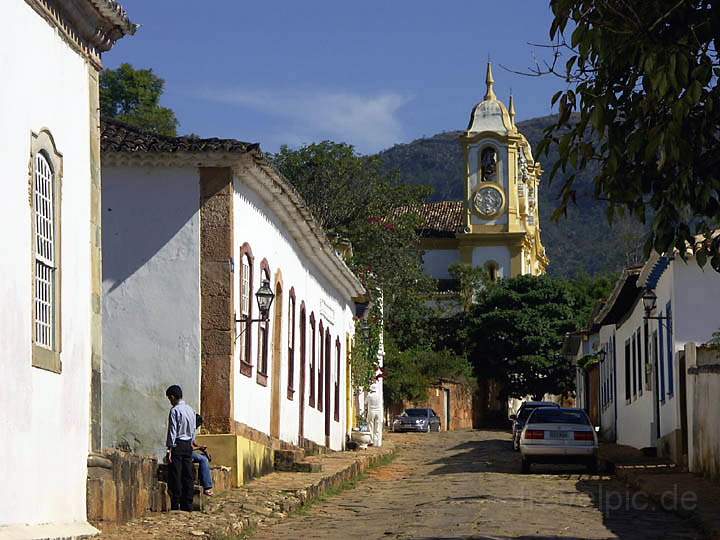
<point>491,114</point>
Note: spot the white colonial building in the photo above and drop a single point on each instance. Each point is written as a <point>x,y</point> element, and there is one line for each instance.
<point>192,229</point>
<point>642,372</point>
<point>50,262</point>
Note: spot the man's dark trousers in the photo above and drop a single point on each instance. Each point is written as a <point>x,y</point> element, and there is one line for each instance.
<point>181,476</point>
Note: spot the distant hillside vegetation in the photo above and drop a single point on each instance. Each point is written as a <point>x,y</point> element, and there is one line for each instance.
<point>581,243</point>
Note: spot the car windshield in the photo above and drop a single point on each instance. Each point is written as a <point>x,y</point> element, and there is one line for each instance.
<point>551,415</point>
<point>416,412</point>
<point>527,409</point>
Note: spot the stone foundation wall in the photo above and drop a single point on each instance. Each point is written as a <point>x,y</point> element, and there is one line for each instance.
<point>122,486</point>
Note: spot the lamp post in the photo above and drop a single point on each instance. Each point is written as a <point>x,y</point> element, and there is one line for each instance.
<point>264,297</point>
<point>649,299</point>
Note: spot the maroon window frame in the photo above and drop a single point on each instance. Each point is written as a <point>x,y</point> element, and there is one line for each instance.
<point>246,365</point>
<point>291,344</point>
<point>313,341</point>
<point>327,371</point>
<point>320,369</point>
<point>263,334</point>
<point>336,411</point>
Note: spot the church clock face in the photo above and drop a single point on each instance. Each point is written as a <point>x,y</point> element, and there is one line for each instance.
<point>488,201</point>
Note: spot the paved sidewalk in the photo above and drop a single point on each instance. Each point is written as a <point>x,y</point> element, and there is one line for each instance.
<point>265,500</point>
<point>674,489</point>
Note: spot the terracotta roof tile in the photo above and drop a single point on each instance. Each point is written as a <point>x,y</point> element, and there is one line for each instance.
<point>440,219</point>
<point>118,136</point>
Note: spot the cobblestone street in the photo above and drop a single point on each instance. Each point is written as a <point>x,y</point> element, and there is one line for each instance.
<point>467,485</point>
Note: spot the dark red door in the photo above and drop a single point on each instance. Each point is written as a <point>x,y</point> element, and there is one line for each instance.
<point>328,355</point>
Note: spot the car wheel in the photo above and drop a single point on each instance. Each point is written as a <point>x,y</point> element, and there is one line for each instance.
<point>592,466</point>
<point>427,429</point>
<point>525,467</point>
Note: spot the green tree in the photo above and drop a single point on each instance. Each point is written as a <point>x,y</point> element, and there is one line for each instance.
<point>410,372</point>
<point>515,332</point>
<point>133,96</point>
<point>588,292</point>
<point>644,82</point>
<point>354,198</point>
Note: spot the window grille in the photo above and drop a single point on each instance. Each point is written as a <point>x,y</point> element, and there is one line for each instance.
<point>245,304</point>
<point>45,267</point>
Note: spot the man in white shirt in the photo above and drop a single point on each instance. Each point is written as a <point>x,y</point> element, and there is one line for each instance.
<point>180,437</point>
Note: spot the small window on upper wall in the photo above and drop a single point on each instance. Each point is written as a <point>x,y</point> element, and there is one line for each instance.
<point>46,173</point>
<point>493,270</point>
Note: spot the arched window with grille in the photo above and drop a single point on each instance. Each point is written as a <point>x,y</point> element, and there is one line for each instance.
<point>313,359</point>
<point>246,309</point>
<point>321,368</point>
<point>46,171</point>
<point>263,333</point>
<point>291,344</point>
<point>336,409</point>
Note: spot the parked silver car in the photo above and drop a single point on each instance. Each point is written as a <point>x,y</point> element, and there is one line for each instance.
<point>558,435</point>
<point>417,420</point>
<point>518,420</point>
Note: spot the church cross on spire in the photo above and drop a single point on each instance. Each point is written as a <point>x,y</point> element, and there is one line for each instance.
<point>489,82</point>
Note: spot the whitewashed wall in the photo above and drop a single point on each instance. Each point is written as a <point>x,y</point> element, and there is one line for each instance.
<point>257,225</point>
<point>694,294</point>
<point>151,300</point>
<point>634,417</point>
<point>498,254</point>
<point>437,261</point>
<point>608,379</point>
<point>45,416</point>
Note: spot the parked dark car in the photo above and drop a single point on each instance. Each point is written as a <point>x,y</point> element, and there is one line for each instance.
<point>519,419</point>
<point>417,420</point>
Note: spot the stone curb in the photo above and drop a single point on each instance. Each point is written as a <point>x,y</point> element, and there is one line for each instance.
<point>705,524</point>
<point>294,499</point>
<point>264,501</point>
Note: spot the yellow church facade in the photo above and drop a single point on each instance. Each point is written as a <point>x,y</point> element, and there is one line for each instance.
<point>497,225</point>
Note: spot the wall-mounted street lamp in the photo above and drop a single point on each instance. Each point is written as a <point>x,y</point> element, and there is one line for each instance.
<point>265,297</point>
<point>649,299</point>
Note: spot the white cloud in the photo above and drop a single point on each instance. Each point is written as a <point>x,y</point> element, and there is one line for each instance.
<point>368,122</point>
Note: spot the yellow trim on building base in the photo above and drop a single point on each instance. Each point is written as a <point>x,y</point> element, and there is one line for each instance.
<point>247,459</point>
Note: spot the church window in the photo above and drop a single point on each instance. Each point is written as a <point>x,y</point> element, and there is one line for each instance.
<point>493,270</point>
<point>45,199</point>
<point>488,164</point>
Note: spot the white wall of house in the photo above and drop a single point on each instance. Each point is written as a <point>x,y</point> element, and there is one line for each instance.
<point>151,303</point>
<point>608,374</point>
<point>694,296</point>
<point>257,225</point>
<point>45,416</point>
<point>437,261</point>
<point>635,415</point>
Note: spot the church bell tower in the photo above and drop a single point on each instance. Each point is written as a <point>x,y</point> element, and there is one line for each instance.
<point>502,228</point>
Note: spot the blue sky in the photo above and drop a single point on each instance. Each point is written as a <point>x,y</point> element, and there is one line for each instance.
<point>372,73</point>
